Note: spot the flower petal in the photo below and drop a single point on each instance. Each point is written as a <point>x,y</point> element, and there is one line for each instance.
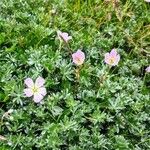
<point>80,54</point>
<point>28,92</point>
<point>37,97</point>
<point>107,58</point>
<point>118,58</point>
<point>113,53</point>
<point>116,61</point>
<point>42,91</point>
<point>65,37</point>
<point>39,82</point>
<point>148,69</point>
<point>29,82</point>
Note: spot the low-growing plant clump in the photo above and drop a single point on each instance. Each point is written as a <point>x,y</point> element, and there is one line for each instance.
<point>74,75</point>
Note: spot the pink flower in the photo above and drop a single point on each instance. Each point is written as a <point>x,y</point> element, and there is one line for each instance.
<point>78,57</point>
<point>64,36</point>
<point>112,58</point>
<point>148,69</point>
<point>147,0</point>
<point>37,89</point>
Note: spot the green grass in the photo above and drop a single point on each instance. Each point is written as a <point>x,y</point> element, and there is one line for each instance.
<point>105,108</point>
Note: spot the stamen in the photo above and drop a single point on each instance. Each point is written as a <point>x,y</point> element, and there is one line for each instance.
<point>35,89</point>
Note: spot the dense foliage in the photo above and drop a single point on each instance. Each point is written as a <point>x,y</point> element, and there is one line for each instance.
<point>87,107</point>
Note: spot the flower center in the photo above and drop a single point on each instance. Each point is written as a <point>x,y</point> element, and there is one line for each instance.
<point>78,59</point>
<point>35,89</point>
<point>112,59</point>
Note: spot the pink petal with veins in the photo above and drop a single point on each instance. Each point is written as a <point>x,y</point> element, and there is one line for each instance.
<point>28,92</point>
<point>39,82</point>
<point>29,82</point>
<point>42,91</point>
<point>37,97</point>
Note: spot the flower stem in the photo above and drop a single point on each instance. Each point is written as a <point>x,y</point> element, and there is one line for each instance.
<point>69,49</point>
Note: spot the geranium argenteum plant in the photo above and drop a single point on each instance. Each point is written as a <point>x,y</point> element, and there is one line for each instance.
<point>148,69</point>
<point>64,36</point>
<point>89,105</point>
<point>112,58</point>
<point>78,57</point>
<point>37,89</point>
